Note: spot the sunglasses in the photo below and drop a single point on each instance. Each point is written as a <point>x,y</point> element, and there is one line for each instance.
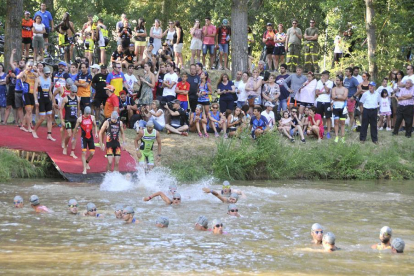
<point>234,210</point>
<point>125,213</point>
<point>92,210</point>
<point>294,111</point>
<point>176,198</point>
<point>119,67</point>
<point>17,202</point>
<point>318,232</point>
<point>214,107</point>
<point>219,225</point>
<point>73,206</point>
<point>294,23</point>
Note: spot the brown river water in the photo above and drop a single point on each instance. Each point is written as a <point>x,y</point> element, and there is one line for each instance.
<point>272,236</point>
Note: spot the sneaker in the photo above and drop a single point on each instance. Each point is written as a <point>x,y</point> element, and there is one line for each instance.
<point>388,129</point>
<point>303,141</point>
<point>343,140</point>
<point>200,135</point>
<point>381,128</point>
<point>292,140</point>
<point>336,139</point>
<point>206,135</point>
<point>328,135</point>
<point>216,134</point>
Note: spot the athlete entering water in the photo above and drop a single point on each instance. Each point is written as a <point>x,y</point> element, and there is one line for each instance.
<point>145,153</point>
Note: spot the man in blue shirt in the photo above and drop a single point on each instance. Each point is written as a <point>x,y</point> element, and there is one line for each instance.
<point>47,20</point>
<point>350,83</point>
<point>259,123</point>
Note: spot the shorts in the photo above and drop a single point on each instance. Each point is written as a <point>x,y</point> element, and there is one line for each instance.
<point>146,157</point>
<point>10,97</point>
<point>45,107</point>
<point>28,99</point>
<point>46,34</point>
<point>279,51</point>
<point>196,44</point>
<point>90,44</point>
<point>209,47</point>
<point>184,105</point>
<point>84,102</point>
<point>70,124</point>
<point>385,113</point>
<point>97,101</point>
<point>306,104</point>
<point>3,99</point>
<point>18,99</point>
<point>38,42</point>
<point>167,99</point>
<point>87,143</point>
<point>224,48</point>
<point>140,43</point>
<point>337,57</point>
<point>249,50</point>
<point>324,109</point>
<point>211,130</point>
<point>114,150</point>
<point>204,103</point>
<point>338,114</point>
<point>350,103</point>
<point>178,48</point>
<point>27,40</point>
<point>269,50</point>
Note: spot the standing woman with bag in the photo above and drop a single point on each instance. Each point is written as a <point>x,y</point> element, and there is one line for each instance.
<point>254,90</point>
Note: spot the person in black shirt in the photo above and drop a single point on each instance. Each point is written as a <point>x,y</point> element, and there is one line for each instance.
<point>127,107</point>
<point>165,53</point>
<point>125,34</point>
<point>129,57</point>
<point>160,80</point>
<point>99,83</point>
<point>194,81</point>
<point>178,123</point>
<point>118,55</point>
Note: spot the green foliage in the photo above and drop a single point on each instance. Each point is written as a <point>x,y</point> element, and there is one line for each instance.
<point>192,169</point>
<point>12,166</point>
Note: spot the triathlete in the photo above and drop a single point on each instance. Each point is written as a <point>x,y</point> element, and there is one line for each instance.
<point>128,215</point>
<point>73,207</point>
<point>232,210</point>
<point>59,94</point>
<point>328,242</point>
<point>103,40</point>
<point>201,224</point>
<point>317,233</point>
<point>112,127</point>
<point>71,105</point>
<point>44,98</point>
<point>145,153</point>
<point>231,199</point>
<point>34,202</point>
<point>176,198</point>
<point>18,202</point>
<point>162,222</point>
<point>385,238</point>
<point>91,211</point>
<point>217,227</point>
<point>66,32</point>
<point>87,123</point>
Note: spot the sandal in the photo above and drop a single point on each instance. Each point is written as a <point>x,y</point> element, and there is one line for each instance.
<point>200,135</point>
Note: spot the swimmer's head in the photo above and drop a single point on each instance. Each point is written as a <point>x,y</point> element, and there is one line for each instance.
<point>329,238</point>
<point>127,213</point>
<point>385,234</point>
<point>397,245</point>
<point>162,222</point>
<point>118,211</point>
<point>232,210</point>
<point>226,189</point>
<point>317,232</point>
<point>88,110</point>
<point>18,202</point>
<point>34,200</point>
<point>91,208</point>
<point>172,188</point>
<point>73,206</point>
<point>217,226</point>
<point>176,198</point>
<point>114,115</point>
<point>202,223</point>
<point>233,197</point>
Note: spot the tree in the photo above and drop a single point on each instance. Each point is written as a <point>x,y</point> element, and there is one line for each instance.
<point>239,55</point>
<point>371,38</point>
<point>49,6</point>
<point>13,32</point>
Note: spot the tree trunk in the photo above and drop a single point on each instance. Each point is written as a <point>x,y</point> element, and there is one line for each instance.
<point>371,38</point>
<point>13,33</point>
<point>49,6</point>
<point>239,51</point>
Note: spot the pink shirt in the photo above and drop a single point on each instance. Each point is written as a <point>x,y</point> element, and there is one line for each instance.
<point>210,40</point>
<point>403,92</point>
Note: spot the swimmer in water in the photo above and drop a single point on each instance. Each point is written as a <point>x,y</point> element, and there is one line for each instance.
<point>73,206</point>
<point>128,215</point>
<point>162,222</point>
<point>317,233</point>
<point>91,211</point>
<point>232,210</point>
<point>18,202</point>
<point>172,189</point>
<point>176,198</point>
<point>226,190</point>
<point>201,224</point>
<point>397,245</point>
<point>231,199</point>
<point>385,238</point>
<point>34,202</point>
<point>217,227</point>
<point>328,242</point>
<point>118,211</point>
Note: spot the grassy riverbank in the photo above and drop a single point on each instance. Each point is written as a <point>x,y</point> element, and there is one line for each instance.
<point>13,166</point>
<point>274,157</point>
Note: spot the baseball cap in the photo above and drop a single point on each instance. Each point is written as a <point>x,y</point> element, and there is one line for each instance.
<point>87,110</point>
<point>176,195</point>
<point>225,22</point>
<point>386,231</point>
<point>90,206</point>
<point>34,200</point>
<point>215,222</point>
<point>74,88</point>
<point>114,115</point>
<point>95,66</point>
<point>269,24</point>
<point>316,226</point>
<point>27,12</point>
<point>162,220</point>
<point>176,101</point>
<point>234,195</point>
<point>203,221</point>
<point>398,244</point>
<point>122,92</point>
<point>69,81</point>
<point>329,238</point>
<point>103,66</point>
<point>72,202</point>
<point>231,207</point>
<point>164,44</point>
<point>18,198</point>
<point>226,184</point>
<point>62,63</point>
<point>129,210</point>
<point>326,72</point>
<point>46,70</point>
<point>372,83</point>
<point>269,104</point>
<point>110,87</point>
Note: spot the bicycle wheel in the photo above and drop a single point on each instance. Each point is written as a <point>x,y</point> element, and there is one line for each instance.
<point>79,51</point>
<point>263,54</point>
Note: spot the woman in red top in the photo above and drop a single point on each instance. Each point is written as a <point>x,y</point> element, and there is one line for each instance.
<point>315,124</point>
<point>27,33</point>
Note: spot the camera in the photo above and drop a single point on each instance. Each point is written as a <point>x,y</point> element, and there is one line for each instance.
<point>170,105</point>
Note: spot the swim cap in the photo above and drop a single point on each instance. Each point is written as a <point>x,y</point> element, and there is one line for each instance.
<point>163,220</point>
<point>172,187</point>
<point>129,210</point>
<point>119,207</point>
<point>386,231</point>
<point>398,244</point>
<point>87,110</point>
<point>34,200</point>
<point>69,81</point>
<point>203,221</point>
<point>72,202</point>
<point>316,226</point>
<point>90,206</point>
<point>74,88</point>
<point>234,195</point>
<point>176,195</point>
<point>329,238</point>
<point>114,115</point>
<point>150,124</point>
<point>231,207</point>
<point>18,198</point>
<point>215,222</point>
<point>226,185</point>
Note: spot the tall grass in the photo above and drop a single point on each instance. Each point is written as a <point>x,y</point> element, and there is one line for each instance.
<point>12,166</point>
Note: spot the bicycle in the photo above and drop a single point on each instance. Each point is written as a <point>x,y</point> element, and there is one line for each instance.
<point>78,48</point>
<point>53,54</point>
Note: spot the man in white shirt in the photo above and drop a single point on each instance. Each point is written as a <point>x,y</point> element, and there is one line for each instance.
<point>356,74</point>
<point>370,101</point>
<point>269,114</point>
<point>384,85</point>
<point>169,83</point>
<point>410,75</point>
<point>130,79</point>
<point>323,100</point>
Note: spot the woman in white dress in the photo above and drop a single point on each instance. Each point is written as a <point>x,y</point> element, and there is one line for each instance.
<point>156,35</point>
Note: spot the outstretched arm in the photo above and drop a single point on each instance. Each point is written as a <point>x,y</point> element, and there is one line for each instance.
<point>161,194</point>
<point>208,190</point>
